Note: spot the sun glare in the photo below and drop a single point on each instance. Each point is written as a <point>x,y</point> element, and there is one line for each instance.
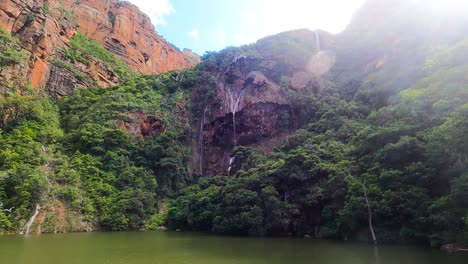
<point>444,7</point>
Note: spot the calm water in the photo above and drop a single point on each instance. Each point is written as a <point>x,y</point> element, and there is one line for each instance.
<point>189,248</point>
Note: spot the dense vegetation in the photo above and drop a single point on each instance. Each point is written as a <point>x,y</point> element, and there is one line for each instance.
<point>83,48</point>
<point>410,155</point>
<point>114,153</point>
<point>120,158</point>
<point>10,50</point>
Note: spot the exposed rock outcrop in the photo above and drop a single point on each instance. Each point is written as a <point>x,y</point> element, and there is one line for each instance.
<point>142,125</point>
<point>45,27</point>
<point>192,56</point>
<point>126,31</point>
<point>252,107</point>
<point>41,29</point>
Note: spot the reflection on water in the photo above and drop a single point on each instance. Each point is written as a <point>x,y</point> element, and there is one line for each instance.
<point>190,248</point>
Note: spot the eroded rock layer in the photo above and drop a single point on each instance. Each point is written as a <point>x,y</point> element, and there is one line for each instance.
<point>126,31</point>
<point>45,28</point>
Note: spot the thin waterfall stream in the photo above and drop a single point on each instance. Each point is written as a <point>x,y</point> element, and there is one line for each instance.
<point>27,228</point>
<point>231,161</point>
<point>317,39</point>
<point>234,101</point>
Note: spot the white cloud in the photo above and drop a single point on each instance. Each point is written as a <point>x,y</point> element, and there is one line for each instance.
<point>157,10</point>
<point>193,34</point>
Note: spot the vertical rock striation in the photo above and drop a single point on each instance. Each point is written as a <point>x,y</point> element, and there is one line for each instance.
<point>126,31</point>
<point>46,27</point>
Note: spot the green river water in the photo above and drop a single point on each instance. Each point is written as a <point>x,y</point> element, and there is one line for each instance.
<point>193,248</point>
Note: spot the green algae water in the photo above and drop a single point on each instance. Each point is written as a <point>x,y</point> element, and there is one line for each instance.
<point>192,248</point>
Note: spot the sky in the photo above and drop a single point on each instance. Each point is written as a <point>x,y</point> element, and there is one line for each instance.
<point>211,25</point>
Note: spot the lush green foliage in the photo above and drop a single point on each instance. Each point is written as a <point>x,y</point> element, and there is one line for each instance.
<point>83,47</point>
<point>400,133</point>
<point>10,50</point>
<point>28,123</point>
<point>126,169</point>
<point>114,155</point>
<point>411,156</point>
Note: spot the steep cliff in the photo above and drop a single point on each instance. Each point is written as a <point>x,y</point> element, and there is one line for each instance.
<point>45,29</point>
<point>123,29</point>
<point>257,90</point>
<point>40,31</point>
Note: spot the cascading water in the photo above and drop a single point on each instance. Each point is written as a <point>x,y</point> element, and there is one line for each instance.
<point>231,161</point>
<point>317,39</point>
<point>233,98</point>
<point>47,168</point>
<point>200,140</point>
<point>31,221</point>
<point>234,101</point>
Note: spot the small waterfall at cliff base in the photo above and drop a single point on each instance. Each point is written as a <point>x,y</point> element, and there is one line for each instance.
<point>231,161</point>
<point>27,228</point>
<point>47,168</point>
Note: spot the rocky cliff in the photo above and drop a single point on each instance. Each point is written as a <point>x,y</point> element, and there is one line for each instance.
<point>256,94</point>
<point>39,33</point>
<point>126,31</point>
<point>45,29</point>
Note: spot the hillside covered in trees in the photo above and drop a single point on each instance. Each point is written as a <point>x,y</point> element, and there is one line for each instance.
<point>301,133</point>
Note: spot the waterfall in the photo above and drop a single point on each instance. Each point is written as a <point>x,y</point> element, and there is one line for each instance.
<point>317,41</point>
<point>31,221</point>
<point>234,101</point>
<point>233,107</point>
<point>49,185</point>
<point>231,161</point>
<point>200,139</point>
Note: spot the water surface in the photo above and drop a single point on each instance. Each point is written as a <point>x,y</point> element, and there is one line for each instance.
<point>192,248</point>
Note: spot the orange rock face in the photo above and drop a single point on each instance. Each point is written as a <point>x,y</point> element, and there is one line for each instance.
<point>123,29</point>
<point>39,33</point>
<point>45,27</point>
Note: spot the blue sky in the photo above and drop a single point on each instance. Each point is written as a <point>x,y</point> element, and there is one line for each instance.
<point>211,25</point>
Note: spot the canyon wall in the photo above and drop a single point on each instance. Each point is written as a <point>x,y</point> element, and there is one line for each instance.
<point>45,28</point>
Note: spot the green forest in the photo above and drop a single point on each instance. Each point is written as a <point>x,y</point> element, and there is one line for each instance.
<point>409,155</point>
<point>403,147</point>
